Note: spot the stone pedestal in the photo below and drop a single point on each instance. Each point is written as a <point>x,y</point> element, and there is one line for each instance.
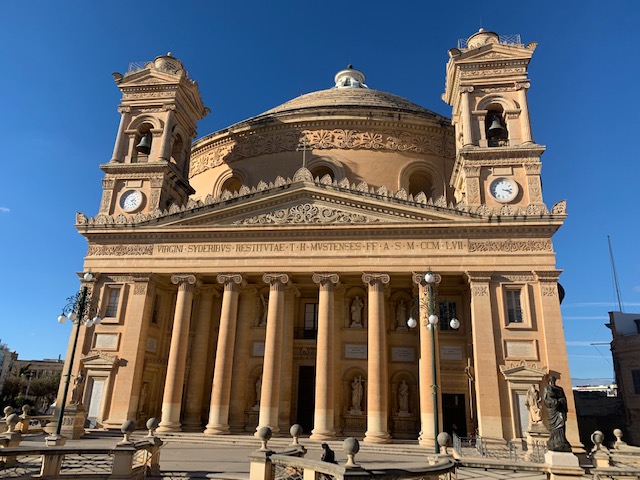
<point>72,422</point>
<point>536,441</point>
<point>562,466</point>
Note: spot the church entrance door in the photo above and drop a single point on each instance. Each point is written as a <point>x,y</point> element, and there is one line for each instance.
<point>454,413</point>
<point>306,397</point>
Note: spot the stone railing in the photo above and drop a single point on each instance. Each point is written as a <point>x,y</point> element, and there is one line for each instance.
<point>291,464</point>
<point>128,459</point>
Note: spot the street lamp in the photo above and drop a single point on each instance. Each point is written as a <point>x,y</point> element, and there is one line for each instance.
<point>432,279</point>
<point>79,310</point>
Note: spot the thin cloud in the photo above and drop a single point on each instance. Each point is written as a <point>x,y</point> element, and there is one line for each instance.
<point>578,343</point>
<point>578,317</point>
<point>612,305</point>
<point>585,356</point>
<point>4,210</point>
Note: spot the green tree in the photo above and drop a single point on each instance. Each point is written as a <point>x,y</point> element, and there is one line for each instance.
<point>10,390</point>
<point>45,388</point>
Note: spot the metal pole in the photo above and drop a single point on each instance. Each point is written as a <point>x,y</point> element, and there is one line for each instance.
<point>76,323</point>
<point>434,371</point>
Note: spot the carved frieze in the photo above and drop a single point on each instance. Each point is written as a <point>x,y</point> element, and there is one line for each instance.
<point>119,250</point>
<point>306,213</point>
<point>535,189</point>
<point>510,246</point>
<point>251,145</point>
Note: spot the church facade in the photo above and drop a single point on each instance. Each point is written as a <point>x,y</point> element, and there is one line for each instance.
<point>287,269</point>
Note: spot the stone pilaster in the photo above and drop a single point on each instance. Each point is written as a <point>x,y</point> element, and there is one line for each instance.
<point>172,398</point>
<point>221,388</point>
<point>484,357</point>
<point>377,375</point>
<point>324,413</point>
<point>199,355</point>
<point>270,391</point>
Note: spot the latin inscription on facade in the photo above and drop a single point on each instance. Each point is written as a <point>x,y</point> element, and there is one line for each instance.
<point>521,350</point>
<point>451,352</point>
<point>258,349</point>
<point>403,354</point>
<point>295,248</point>
<point>106,340</point>
<point>355,350</point>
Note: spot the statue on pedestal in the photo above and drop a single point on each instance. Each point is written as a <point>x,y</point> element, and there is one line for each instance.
<point>533,403</point>
<point>356,312</point>
<point>403,398</point>
<point>556,402</point>
<point>356,394</point>
<point>401,315</point>
<point>76,393</point>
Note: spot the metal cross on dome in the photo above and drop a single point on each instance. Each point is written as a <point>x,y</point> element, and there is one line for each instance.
<point>303,145</point>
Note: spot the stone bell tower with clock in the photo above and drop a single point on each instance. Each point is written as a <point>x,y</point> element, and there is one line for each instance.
<point>149,168</point>
<point>497,161</point>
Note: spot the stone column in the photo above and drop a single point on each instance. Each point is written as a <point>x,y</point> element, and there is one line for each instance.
<point>324,414</point>
<point>291,294</point>
<point>165,148</point>
<point>550,325</point>
<point>242,351</point>
<point>467,137</point>
<point>172,398</point>
<point>428,401</point>
<point>120,142</point>
<point>270,391</point>
<point>525,121</point>
<point>221,388</point>
<point>199,355</point>
<point>377,376</point>
<point>484,357</point>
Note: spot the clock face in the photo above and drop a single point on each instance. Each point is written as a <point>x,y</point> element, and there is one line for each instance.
<point>131,200</point>
<point>503,189</point>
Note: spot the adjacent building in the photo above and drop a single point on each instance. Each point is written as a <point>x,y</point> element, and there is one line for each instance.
<point>269,273</point>
<point>625,328</point>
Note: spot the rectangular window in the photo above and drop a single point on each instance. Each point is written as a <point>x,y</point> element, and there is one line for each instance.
<point>113,298</point>
<point>447,313</point>
<point>514,307</point>
<point>635,375</point>
<point>310,320</point>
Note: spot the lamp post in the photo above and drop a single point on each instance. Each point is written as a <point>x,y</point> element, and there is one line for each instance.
<point>79,310</point>
<point>432,279</point>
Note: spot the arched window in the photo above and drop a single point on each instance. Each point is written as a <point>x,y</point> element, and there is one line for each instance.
<point>232,184</point>
<point>420,182</point>
<point>495,127</point>
<point>322,170</point>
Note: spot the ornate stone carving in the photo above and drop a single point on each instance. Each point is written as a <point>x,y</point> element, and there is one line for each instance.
<point>183,280</point>
<point>275,278</point>
<point>106,201</point>
<point>533,168</point>
<point>276,142</point>
<point>370,278</point>
<point>81,219</point>
<point>140,289</point>
<point>323,278</point>
<point>473,191</point>
<point>560,208</point>
<point>549,290</point>
<point>535,189</point>
<point>480,290</point>
<point>306,213</point>
<point>510,246</point>
<point>119,250</point>
<point>225,278</point>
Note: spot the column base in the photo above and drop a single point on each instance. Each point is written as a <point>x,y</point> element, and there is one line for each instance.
<point>218,429</point>
<point>169,427</point>
<point>321,435</point>
<point>377,437</point>
<point>54,440</point>
<point>192,426</point>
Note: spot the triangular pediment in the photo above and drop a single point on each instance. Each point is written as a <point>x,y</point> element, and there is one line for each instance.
<point>498,52</point>
<point>148,77</point>
<point>523,372</point>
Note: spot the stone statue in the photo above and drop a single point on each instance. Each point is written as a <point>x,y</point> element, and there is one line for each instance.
<point>356,312</point>
<point>533,403</point>
<point>76,393</point>
<point>403,397</point>
<point>356,393</point>
<point>258,390</point>
<point>265,310</point>
<point>401,315</point>
<point>556,403</point>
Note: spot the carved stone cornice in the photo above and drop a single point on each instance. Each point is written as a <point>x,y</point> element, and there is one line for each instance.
<point>478,277</point>
<point>510,246</point>
<point>547,276</point>
<point>520,277</point>
<point>118,250</point>
<point>325,278</point>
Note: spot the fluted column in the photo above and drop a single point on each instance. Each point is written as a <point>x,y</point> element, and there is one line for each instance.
<point>426,368</point>
<point>172,398</point>
<point>221,388</point>
<point>324,412</point>
<point>377,376</point>
<point>199,355</point>
<point>484,356</point>
<point>270,391</point>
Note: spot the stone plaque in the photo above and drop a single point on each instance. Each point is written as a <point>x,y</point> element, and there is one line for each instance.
<point>258,349</point>
<point>152,345</point>
<point>106,341</point>
<point>521,350</point>
<point>451,352</point>
<point>403,354</point>
<point>355,350</point>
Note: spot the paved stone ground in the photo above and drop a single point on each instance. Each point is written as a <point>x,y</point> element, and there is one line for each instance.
<point>199,457</point>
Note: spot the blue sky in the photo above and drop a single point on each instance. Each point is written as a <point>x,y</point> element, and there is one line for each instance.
<point>59,121</point>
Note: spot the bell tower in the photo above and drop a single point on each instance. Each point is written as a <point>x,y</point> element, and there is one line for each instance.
<point>497,161</point>
<point>149,168</point>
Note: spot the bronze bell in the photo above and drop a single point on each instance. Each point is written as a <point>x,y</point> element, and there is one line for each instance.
<point>144,146</point>
<point>496,129</point>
